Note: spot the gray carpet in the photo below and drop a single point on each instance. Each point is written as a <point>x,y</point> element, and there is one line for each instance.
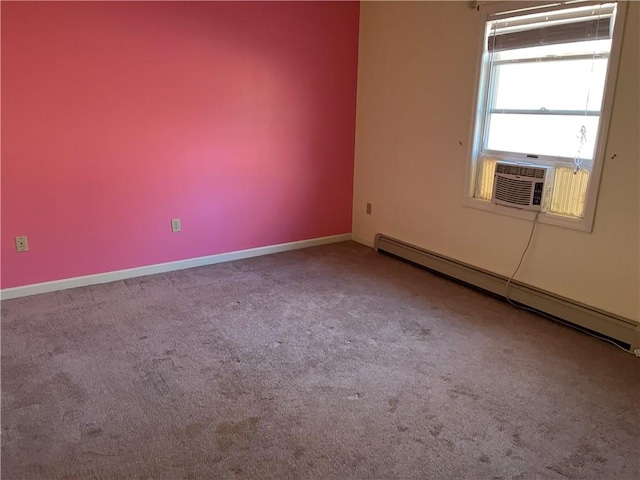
<point>329,362</point>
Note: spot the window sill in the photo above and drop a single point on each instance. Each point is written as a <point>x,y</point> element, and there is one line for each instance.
<point>580,224</point>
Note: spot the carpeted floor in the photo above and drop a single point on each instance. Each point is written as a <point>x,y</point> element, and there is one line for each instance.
<point>326,363</point>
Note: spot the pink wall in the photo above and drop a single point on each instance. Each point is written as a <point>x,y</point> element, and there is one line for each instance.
<point>236,117</point>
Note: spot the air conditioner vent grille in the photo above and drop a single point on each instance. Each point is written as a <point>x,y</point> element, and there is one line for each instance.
<point>519,186</point>
<point>513,191</point>
<point>519,170</point>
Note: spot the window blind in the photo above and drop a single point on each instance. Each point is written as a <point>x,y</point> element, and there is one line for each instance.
<point>593,22</point>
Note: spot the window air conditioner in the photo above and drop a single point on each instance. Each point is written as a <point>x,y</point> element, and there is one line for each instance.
<point>519,186</point>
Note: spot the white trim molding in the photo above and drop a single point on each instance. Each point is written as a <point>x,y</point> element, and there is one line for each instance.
<point>363,241</point>
<point>107,277</point>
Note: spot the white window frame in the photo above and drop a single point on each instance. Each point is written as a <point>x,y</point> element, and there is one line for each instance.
<point>586,222</point>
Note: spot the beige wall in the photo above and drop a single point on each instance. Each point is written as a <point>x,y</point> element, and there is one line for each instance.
<point>417,73</point>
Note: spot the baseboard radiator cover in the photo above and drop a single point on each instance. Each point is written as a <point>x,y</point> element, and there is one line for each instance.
<point>623,330</point>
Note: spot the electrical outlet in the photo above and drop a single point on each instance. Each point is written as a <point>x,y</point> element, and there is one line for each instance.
<point>176,226</point>
<point>368,209</point>
<point>21,244</point>
<point>637,352</point>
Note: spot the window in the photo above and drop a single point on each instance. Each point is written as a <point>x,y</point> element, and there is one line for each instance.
<point>544,98</point>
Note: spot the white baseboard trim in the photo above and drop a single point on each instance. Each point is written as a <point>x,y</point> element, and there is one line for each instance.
<point>107,277</point>
<point>363,241</point>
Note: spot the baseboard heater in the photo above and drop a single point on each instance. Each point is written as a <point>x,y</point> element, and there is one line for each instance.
<point>624,331</point>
